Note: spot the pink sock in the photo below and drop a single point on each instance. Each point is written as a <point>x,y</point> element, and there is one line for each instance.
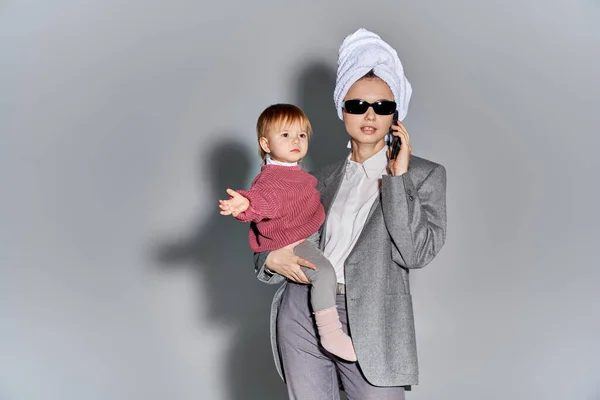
<point>333,338</point>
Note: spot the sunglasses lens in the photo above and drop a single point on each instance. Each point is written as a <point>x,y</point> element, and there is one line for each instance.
<point>356,106</point>
<point>384,107</point>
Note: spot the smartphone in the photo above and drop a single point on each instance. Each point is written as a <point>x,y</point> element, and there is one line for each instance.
<point>395,145</point>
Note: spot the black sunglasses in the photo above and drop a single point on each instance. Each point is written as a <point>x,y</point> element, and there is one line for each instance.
<point>381,107</point>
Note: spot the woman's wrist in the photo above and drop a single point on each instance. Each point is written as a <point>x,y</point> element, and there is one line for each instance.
<point>269,261</point>
<point>397,172</point>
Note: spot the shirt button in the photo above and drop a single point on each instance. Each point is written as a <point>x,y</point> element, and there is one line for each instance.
<point>408,192</point>
<point>411,198</point>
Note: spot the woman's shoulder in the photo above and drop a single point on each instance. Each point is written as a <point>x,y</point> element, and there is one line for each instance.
<point>423,163</point>
<point>420,168</point>
<point>328,170</point>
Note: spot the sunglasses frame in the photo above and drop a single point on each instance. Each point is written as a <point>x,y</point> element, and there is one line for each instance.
<point>376,106</point>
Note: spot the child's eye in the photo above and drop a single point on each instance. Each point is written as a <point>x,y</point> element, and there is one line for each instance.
<point>284,134</point>
<point>303,135</point>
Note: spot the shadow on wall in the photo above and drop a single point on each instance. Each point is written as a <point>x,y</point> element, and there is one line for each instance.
<point>218,249</point>
<point>315,96</point>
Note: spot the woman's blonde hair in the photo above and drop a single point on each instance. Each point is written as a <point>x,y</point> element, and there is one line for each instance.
<point>278,117</point>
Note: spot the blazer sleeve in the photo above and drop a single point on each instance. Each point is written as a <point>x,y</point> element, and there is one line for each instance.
<point>262,273</point>
<point>415,217</point>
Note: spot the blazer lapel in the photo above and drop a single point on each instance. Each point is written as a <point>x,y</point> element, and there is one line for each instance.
<point>329,189</point>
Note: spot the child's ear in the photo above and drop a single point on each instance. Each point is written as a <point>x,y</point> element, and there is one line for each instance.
<point>264,144</point>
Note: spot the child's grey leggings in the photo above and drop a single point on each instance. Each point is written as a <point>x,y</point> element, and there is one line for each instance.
<point>323,279</point>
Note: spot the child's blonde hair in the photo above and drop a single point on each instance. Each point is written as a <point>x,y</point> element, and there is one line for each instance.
<point>278,117</point>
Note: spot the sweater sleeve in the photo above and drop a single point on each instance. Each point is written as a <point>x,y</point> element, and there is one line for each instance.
<point>263,202</point>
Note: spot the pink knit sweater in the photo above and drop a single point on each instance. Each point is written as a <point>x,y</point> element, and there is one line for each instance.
<point>285,207</point>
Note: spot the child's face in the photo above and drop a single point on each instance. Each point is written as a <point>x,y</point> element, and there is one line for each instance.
<point>289,144</point>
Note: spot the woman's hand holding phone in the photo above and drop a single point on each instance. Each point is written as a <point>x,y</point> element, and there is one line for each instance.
<point>400,148</point>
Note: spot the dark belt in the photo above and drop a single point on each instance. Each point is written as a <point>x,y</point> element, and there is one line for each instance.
<point>340,289</point>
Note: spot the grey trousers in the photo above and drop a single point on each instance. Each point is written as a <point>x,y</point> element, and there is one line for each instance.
<point>310,372</point>
<point>323,280</point>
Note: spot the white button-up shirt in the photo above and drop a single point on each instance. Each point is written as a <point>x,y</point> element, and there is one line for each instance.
<point>348,214</point>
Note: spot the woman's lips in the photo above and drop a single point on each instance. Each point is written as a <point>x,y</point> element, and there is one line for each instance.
<point>368,130</point>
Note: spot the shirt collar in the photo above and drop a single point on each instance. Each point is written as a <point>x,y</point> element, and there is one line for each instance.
<point>373,167</point>
<point>269,160</point>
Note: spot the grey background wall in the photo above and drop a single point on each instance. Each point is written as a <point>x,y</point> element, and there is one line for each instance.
<point>122,122</point>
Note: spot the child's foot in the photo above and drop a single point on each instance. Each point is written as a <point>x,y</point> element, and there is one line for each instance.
<point>333,338</point>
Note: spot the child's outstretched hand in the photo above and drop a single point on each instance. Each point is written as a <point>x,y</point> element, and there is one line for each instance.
<point>235,205</point>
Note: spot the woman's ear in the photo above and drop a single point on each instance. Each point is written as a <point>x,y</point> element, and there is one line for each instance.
<point>264,144</point>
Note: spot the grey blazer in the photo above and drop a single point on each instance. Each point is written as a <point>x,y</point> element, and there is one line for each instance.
<point>405,229</point>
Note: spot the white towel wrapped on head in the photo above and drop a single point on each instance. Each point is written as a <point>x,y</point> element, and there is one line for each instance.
<point>362,52</point>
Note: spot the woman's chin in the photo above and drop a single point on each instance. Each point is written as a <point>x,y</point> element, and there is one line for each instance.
<point>366,139</point>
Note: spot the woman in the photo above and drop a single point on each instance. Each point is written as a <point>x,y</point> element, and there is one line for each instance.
<point>384,217</point>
